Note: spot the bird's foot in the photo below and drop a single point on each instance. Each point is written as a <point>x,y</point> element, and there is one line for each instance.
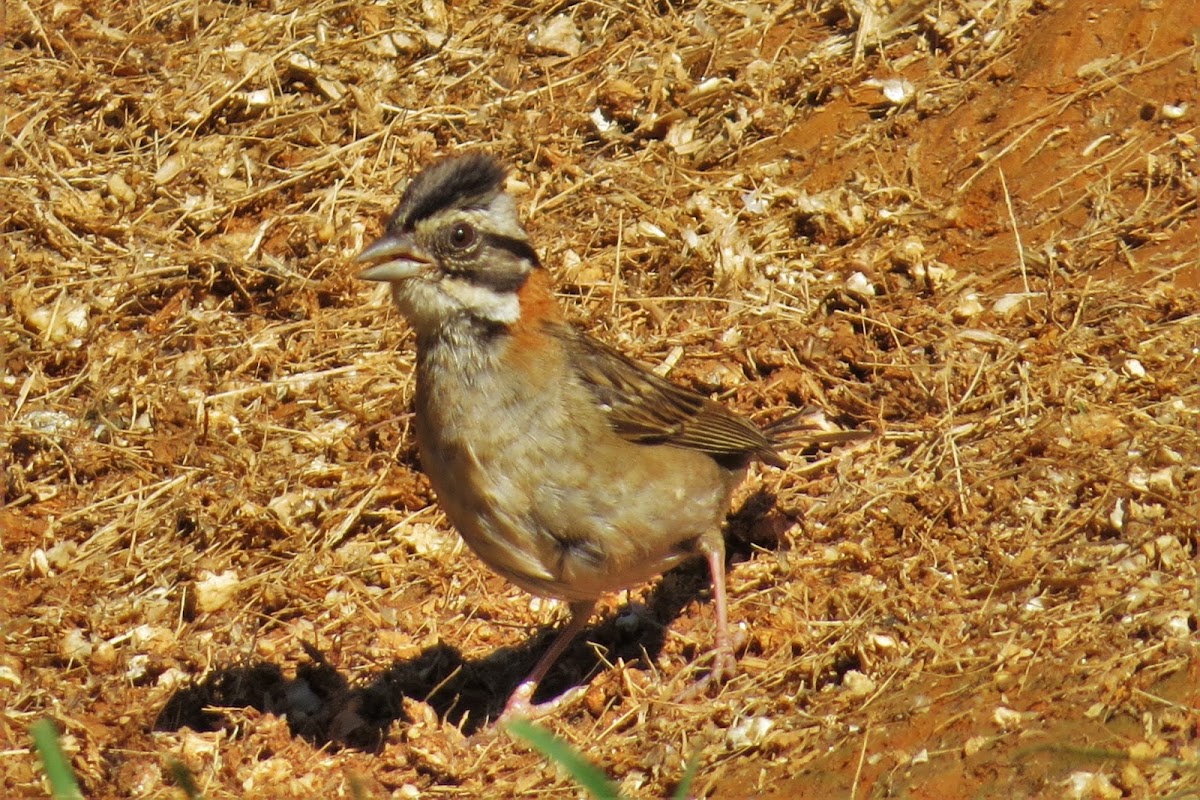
<point>724,665</point>
<point>520,704</point>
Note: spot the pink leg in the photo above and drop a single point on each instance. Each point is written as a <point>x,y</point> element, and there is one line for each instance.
<point>724,661</point>
<point>520,704</point>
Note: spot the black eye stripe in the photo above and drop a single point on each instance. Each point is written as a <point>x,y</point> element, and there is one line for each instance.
<point>498,282</point>
<point>518,247</point>
<point>501,281</point>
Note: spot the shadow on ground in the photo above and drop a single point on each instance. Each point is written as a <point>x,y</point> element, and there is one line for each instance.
<point>324,707</point>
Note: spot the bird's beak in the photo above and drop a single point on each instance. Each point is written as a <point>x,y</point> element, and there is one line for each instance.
<point>399,256</point>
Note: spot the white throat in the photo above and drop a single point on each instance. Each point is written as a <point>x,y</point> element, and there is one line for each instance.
<point>502,308</point>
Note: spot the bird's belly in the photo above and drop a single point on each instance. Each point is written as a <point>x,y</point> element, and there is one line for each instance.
<point>574,523</point>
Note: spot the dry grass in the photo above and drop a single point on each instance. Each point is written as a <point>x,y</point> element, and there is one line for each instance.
<point>972,229</point>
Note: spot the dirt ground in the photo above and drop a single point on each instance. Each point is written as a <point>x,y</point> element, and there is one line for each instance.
<point>968,227</point>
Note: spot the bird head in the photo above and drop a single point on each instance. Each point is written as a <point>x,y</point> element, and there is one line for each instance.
<point>454,251</point>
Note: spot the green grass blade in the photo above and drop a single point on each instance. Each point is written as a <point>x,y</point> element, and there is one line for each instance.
<point>358,789</point>
<point>684,790</point>
<point>184,778</point>
<point>585,773</point>
<point>58,769</point>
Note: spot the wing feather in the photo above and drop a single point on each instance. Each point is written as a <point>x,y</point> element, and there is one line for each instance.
<point>647,409</point>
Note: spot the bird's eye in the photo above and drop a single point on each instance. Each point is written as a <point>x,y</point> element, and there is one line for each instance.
<point>462,235</point>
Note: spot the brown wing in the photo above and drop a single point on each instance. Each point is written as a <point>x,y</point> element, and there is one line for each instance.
<point>647,409</point>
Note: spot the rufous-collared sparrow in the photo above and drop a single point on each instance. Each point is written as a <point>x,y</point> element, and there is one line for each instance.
<point>568,468</point>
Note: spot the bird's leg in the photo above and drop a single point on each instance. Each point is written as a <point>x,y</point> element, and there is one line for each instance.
<point>724,661</point>
<point>520,704</point>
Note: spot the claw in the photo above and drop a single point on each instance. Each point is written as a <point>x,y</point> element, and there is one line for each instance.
<point>520,704</point>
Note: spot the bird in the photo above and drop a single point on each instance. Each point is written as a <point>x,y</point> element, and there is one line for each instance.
<point>567,468</point>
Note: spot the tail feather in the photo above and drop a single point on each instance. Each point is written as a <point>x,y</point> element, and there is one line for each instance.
<point>808,427</point>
